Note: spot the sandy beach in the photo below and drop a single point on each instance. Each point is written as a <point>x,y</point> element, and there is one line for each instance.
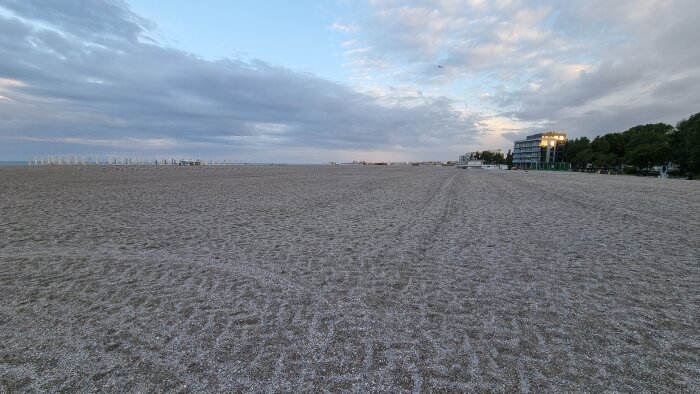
<point>349,278</point>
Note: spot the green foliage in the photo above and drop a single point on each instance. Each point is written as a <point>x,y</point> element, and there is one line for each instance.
<point>648,145</point>
<point>490,157</point>
<point>685,144</point>
<point>611,143</point>
<point>641,146</point>
<point>509,158</point>
<point>604,160</point>
<point>638,148</point>
<point>660,128</point>
<point>585,157</point>
<point>574,151</point>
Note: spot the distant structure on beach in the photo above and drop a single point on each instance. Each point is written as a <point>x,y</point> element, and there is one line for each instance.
<point>469,161</point>
<point>73,160</point>
<point>543,151</point>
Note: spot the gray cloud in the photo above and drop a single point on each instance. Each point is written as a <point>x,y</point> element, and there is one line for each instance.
<point>586,67</point>
<point>84,77</point>
<point>647,80</point>
<point>90,19</point>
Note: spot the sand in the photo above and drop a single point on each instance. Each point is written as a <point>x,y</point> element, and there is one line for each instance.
<point>415,279</point>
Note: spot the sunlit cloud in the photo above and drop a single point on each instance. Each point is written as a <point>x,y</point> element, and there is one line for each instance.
<point>573,65</point>
<point>8,83</point>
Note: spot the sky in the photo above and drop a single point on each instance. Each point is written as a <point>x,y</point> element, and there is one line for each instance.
<point>337,80</point>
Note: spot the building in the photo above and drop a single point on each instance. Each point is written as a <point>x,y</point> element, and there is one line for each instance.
<point>463,159</point>
<point>469,161</point>
<point>540,151</point>
<point>470,164</point>
<point>479,164</point>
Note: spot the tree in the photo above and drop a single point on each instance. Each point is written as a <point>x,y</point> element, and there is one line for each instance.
<point>648,147</point>
<point>509,158</point>
<point>660,128</point>
<point>600,145</point>
<point>492,158</point>
<point>573,149</point>
<point>603,160</point>
<point>610,144</point>
<point>685,144</point>
<point>583,158</point>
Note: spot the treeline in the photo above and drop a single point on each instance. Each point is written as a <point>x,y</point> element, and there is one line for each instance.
<point>492,157</point>
<point>641,147</point>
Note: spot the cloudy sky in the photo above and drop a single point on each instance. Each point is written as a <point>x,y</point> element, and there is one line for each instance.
<point>314,81</point>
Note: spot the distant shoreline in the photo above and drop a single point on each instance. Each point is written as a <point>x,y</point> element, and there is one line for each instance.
<point>27,163</point>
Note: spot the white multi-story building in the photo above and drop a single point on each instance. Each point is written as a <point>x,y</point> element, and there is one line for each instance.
<point>539,148</point>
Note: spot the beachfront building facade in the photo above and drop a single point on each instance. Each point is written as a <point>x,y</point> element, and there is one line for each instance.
<point>470,164</point>
<point>540,151</point>
<point>469,161</point>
